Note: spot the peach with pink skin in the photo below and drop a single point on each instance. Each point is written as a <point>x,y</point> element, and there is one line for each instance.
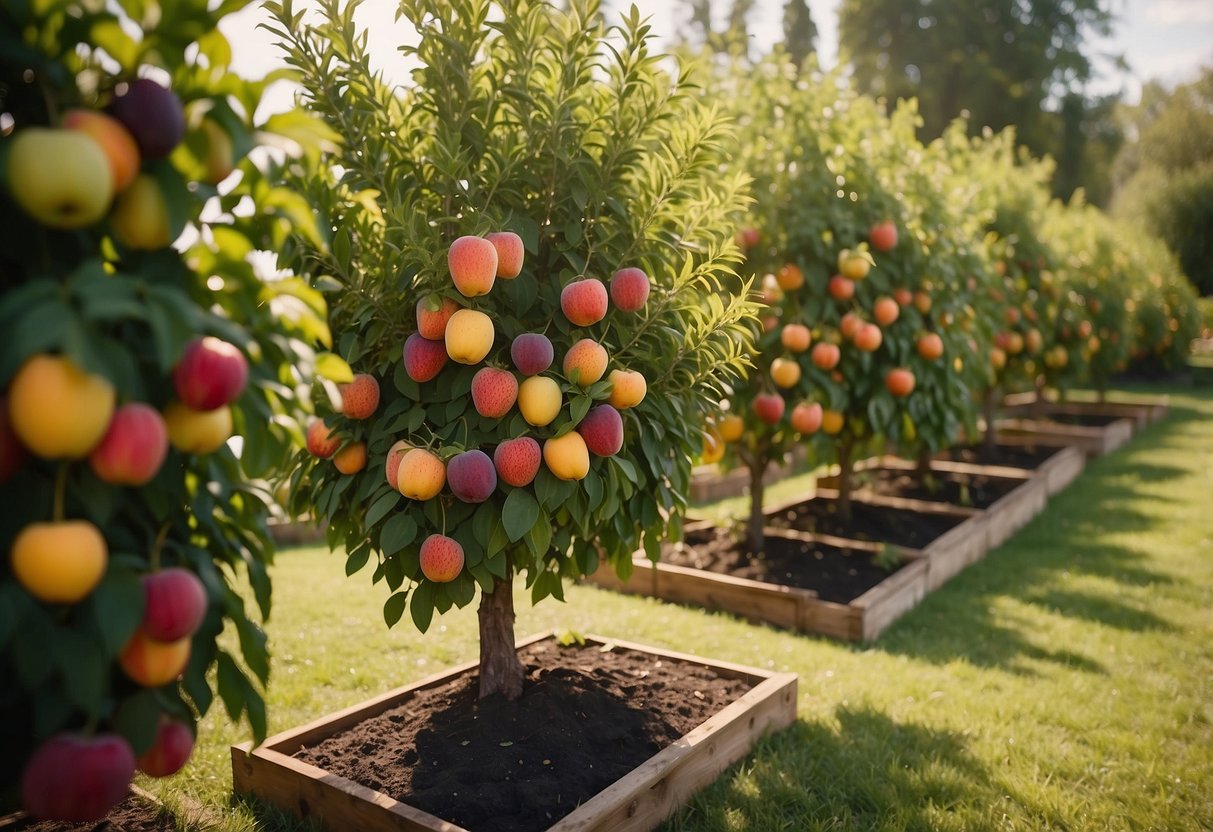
<point>585,362</point>
<point>360,397</point>
<point>584,302</point>
<point>602,430</point>
<point>517,461</point>
<point>471,476</point>
<point>75,778</point>
<point>392,466</point>
<point>133,448</point>
<point>432,317</point>
<point>441,558</point>
<point>510,253</point>
<point>423,358</point>
<point>174,603</point>
<point>768,407</point>
<point>494,392</point>
<point>629,289</point>
<point>170,750</point>
<point>322,441</point>
<point>210,374</point>
<point>473,265</point>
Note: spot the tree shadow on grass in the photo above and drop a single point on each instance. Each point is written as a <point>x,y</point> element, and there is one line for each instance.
<point>864,773</point>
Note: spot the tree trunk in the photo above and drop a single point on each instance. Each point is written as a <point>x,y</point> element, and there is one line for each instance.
<point>989,411</point>
<point>926,476</point>
<point>753,537</point>
<point>845,477</point>
<point>500,669</point>
<point>1037,408</point>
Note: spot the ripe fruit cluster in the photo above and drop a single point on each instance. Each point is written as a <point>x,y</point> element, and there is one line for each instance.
<point>515,374</point>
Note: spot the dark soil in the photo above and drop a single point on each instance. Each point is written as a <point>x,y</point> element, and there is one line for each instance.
<point>131,815</point>
<point>1086,420</point>
<point>901,527</point>
<point>586,718</point>
<point>1012,456</point>
<point>968,490</point>
<point>834,573</point>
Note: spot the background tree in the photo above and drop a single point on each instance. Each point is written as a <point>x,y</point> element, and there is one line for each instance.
<point>799,31</point>
<point>547,125</point>
<point>1164,173</point>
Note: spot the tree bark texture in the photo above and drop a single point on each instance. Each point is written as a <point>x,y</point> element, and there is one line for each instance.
<point>501,671</point>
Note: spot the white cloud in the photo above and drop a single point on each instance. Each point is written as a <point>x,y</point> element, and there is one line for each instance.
<point>1179,12</point>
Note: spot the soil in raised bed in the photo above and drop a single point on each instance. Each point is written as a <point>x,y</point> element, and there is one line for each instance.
<point>960,489</point>
<point>880,524</point>
<point>586,718</point>
<point>834,573</point>
<point>1029,457</point>
<point>131,815</point>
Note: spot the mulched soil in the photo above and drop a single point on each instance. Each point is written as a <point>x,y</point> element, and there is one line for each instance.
<point>586,718</point>
<point>835,574</point>
<point>881,524</point>
<point>968,490</point>
<point>1013,456</point>
<point>131,815</point>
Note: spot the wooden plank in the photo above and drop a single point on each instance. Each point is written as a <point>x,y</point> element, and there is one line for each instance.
<point>1094,441</point>
<point>910,590</point>
<point>1060,469</point>
<point>830,618</point>
<point>649,794</point>
<point>954,550</point>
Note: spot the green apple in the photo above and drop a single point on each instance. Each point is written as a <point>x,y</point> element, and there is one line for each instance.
<point>219,160</point>
<point>140,217</point>
<point>60,177</point>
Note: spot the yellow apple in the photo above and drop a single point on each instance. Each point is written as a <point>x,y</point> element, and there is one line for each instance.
<point>59,411</point>
<point>197,431</point>
<point>469,336</point>
<point>61,178</point>
<point>567,457</point>
<point>140,217</point>
<point>628,388</point>
<point>539,400</point>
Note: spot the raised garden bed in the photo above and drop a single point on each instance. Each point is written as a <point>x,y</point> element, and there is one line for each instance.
<point>854,599</point>
<point>1094,435</point>
<point>1008,497</point>
<point>509,767</point>
<point>1057,465</point>
<point>1141,411</point>
<point>709,483</point>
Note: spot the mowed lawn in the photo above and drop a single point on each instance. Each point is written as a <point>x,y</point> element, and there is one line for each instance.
<point>1065,682</point>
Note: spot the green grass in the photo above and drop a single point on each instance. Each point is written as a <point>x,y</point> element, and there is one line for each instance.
<point>1065,682</point>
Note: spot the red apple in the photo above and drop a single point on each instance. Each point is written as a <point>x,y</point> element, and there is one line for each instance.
<point>432,316</point>
<point>517,460</point>
<point>883,236</point>
<point>170,751</point>
<point>748,237</point>
<point>211,373</point>
<point>471,476</point>
<point>584,302</point>
<point>134,446</point>
<point>510,253</point>
<point>769,407</point>
<point>629,289</point>
<point>602,430</point>
<point>360,397</point>
<point>76,778</point>
<point>152,114</point>
<point>806,417</point>
<point>175,603</point>
<point>423,358</point>
<point>841,288</point>
<point>532,353</point>
<point>494,391</point>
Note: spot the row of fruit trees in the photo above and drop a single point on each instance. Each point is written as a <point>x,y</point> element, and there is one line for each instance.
<point>512,299</point>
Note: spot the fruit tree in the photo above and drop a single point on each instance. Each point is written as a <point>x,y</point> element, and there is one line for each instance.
<point>129,353</point>
<point>528,248</point>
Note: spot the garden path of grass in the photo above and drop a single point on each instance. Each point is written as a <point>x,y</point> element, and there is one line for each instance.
<point>1065,682</point>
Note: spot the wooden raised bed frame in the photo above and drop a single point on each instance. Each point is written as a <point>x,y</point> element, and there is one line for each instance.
<point>639,801</point>
<point>862,619</point>
<point>1092,441</point>
<point>1142,411</point>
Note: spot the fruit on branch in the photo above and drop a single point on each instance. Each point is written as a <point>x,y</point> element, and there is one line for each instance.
<point>59,562</point>
<point>853,265</point>
<point>322,441</point>
<point>713,446</point>
<point>795,337</point>
<point>351,459</point>
<point>134,446</point>
<point>831,422</point>
<point>510,253</point>
<point>197,431</point>
<point>59,411</point>
<point>75,778</point>
<point>152,114</point>
<point>539,399</point>
<point>806,418</point>
<point>494,392</point>
<point>841,288</point>
<point>789,277</point>
<point>883,236</point>
<point>747,237</point>
<point>391,468</point>
<point>113,138</point>
<point>629,289</point>
<point>628,388</point>
<point>885,310</point>
<point>61,178</point>
<point>584,302</point>
<point>899,382</point>
<point>433,313</point>
<point>169,751</point>
<point>532,353</point>
<point>567,457</point>
<point>849,325</point>
<point>473,265</point>
<point>174,604</point>
<point>423,358</point>
<point>785,372</point>
<point>469,336</point>
<point>768,407</point>
<point>930,346</point>
<point>152,663</point>
<point>602,430</point>
<point>517,461</point>
<point>219,157</point>
<point>471,476</point>
<point>825,356</point>
<point>731,427</point>
<point>922,302</point>
<point>140,219</point>
<point>441,558</point>
<point>421,475</point>
<point>868,338</point>
<point>210,374</point>
<point>585,362</point>
<point>360,397</point>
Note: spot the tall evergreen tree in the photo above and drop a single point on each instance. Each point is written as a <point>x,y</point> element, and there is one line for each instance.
<point>799,31</point>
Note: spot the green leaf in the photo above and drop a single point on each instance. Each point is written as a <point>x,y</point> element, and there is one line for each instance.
<point>393,608</point>
<point>333,367</point>
<point>116,608</point>
<point>422,606</point>
<point>519,513</point>
<point>382,506</point>
<point>137,719</point>
<point>356,560</point>
<point>399,531</point>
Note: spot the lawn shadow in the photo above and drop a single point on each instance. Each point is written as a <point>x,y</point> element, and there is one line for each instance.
<point>859,774</point>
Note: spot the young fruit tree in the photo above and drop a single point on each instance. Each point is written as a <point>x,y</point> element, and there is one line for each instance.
<point>528,249</point>
<point>129,354</point>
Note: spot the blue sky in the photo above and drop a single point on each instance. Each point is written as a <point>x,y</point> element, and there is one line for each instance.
<point>1164,39</point>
